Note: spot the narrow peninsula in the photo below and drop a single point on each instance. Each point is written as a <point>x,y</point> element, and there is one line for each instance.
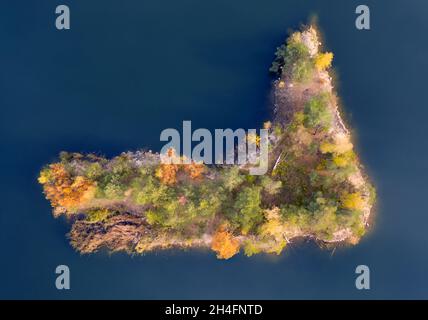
<point>315,186</point>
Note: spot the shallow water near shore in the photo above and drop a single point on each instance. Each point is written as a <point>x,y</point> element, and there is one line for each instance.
<point>123,73</point>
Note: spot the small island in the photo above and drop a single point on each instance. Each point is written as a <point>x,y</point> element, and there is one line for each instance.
<point>315,186</point>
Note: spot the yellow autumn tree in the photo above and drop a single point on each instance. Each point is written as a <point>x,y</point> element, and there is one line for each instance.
<point>341,144</point>
<point>167,170</point>
<point>323,61</point>
<point>352,201</point>
<point>194,170</point>
<point>224,244</point>
<point>167,173</point>
<point>344,159</point>
<point>66,191</point>
<point>274,229</point>
<point>273,226</point>
<point>253,138</point>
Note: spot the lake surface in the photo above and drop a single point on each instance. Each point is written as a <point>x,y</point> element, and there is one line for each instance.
<point>127,70</point>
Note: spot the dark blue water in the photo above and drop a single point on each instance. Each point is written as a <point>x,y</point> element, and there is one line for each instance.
<point>126,70</point>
